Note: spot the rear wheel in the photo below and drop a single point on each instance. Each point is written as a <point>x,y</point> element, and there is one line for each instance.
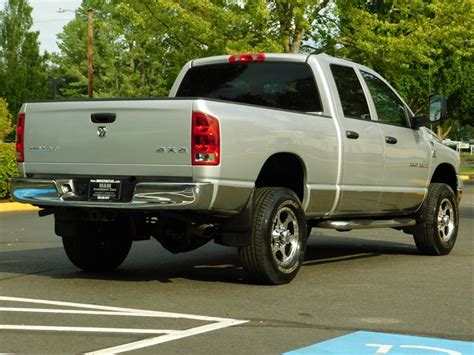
<point>97,251</point>
<point>438,221</point>
<point>278,237</point>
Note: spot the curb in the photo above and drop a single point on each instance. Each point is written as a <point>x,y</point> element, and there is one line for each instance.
<point>465,177</point>
<point>16,207</point>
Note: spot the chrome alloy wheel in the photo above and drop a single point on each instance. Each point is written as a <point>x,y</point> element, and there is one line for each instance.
<point>446,217</point>
<point>285,240</point>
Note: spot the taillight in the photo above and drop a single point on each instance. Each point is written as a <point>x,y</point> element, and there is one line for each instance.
<point>247,57</point>
<point>205,140</point>
<point>20,138</point>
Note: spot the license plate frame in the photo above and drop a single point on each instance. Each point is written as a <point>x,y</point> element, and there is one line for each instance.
<point>105,190</point>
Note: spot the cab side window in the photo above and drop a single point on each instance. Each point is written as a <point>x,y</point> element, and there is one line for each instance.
<point>351,94</point>
<point>390,109</point>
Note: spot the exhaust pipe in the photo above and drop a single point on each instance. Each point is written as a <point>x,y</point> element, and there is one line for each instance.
<point>207,231</point>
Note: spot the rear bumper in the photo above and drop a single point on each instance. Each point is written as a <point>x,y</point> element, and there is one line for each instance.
<point>146,195</point>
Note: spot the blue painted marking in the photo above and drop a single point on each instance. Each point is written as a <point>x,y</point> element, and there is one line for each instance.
<point>369,343</point>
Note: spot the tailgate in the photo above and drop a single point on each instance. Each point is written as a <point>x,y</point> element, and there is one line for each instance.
<point>109,137</point>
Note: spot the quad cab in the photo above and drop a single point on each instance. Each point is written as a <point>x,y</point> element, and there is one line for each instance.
<point>250,151</point>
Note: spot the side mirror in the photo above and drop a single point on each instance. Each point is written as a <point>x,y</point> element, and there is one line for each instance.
<point>437,112</point>
<point>438,108</point>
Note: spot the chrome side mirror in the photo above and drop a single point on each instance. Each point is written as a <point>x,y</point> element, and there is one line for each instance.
<point>438,110</point>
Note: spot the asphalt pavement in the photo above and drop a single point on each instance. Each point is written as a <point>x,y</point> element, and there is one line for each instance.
<point>201,302</point>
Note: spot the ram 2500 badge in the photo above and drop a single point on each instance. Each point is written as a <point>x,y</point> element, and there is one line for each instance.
<point>250,151</point>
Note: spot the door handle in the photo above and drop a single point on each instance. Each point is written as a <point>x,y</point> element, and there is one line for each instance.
<point>103,117</point>
<point>391,140</point>
<point>352,135</point>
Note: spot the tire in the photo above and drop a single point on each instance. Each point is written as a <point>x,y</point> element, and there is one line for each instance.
<point>278,237</point>
<point>95,251</point>
<point>437,220</point>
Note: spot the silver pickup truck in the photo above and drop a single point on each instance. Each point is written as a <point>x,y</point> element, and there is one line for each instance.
<point>249,150</point>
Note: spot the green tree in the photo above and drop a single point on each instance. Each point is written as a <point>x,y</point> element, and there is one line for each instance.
<point>140,46</point>
<point>128,61</point>
<point>220,26</point>
<point>302,25</point>
<point>421,46</point>
<point>5,119</point>
<point>22,68</point>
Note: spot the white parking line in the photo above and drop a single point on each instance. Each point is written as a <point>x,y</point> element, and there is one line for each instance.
<point>117,309</point>
<point>166,335</point>
<point>166,338</point>
<point>73,311</point>
<point>87,329</point>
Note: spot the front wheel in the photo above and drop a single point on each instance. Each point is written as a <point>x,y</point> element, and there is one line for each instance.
<point>278,237</point>
<point>438,221</point>
<point>97,251</point>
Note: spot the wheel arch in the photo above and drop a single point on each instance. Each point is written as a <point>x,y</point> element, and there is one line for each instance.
<point>445,173</point>
<point>283,170</point>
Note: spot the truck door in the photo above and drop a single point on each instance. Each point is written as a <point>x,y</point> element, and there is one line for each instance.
<point>407,153</point>
<point>362,146</point>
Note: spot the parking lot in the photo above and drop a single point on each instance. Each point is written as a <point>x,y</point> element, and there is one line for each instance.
<point>351,284</point>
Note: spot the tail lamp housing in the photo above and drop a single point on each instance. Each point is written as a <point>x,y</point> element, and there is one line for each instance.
<point>205,141</point>
<point>20,138</point>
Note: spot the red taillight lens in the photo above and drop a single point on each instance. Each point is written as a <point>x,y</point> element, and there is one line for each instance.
<point>247,57</point>
<point>20,138</point>
<point>205,140</point>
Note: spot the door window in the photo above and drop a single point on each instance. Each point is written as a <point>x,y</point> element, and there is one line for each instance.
<point>390,109</point>
<point>351,94</point>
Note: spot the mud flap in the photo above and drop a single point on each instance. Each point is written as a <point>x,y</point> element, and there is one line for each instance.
<point>236,231</point>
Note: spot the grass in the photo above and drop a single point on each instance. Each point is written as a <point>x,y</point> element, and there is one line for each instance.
<point>467,170</point>
<point>467,158</point>
<point>467,161</point>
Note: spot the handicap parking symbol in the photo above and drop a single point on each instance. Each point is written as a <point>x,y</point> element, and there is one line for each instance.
<point>371,343</point>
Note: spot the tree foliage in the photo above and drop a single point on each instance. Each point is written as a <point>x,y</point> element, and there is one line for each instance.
<point>5,119</point>
<point>421,46</point>
<point>140,46</point>
<point>22,68</point>
<point>129,59</point>
<point>302,25</point>
<point>8,168</point>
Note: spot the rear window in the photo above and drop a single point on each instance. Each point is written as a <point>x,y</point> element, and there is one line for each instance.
<point>288,86</point>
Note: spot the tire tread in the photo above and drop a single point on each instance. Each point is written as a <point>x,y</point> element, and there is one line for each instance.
<point>423,235</point>
<point>253,255</point>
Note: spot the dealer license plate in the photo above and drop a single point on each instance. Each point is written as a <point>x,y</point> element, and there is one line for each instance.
<point>104,190</point>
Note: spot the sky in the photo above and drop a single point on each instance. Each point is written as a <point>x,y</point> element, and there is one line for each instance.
<point>48,21</point>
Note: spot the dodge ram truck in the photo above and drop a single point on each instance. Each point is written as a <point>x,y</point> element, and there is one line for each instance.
<point>249,150</point>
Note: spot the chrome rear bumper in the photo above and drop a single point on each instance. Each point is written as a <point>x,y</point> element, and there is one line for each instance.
<point>146,195</point>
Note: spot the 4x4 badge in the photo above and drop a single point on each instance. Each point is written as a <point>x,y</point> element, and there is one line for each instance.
<point>101,131</point>
<point>172,150</point>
